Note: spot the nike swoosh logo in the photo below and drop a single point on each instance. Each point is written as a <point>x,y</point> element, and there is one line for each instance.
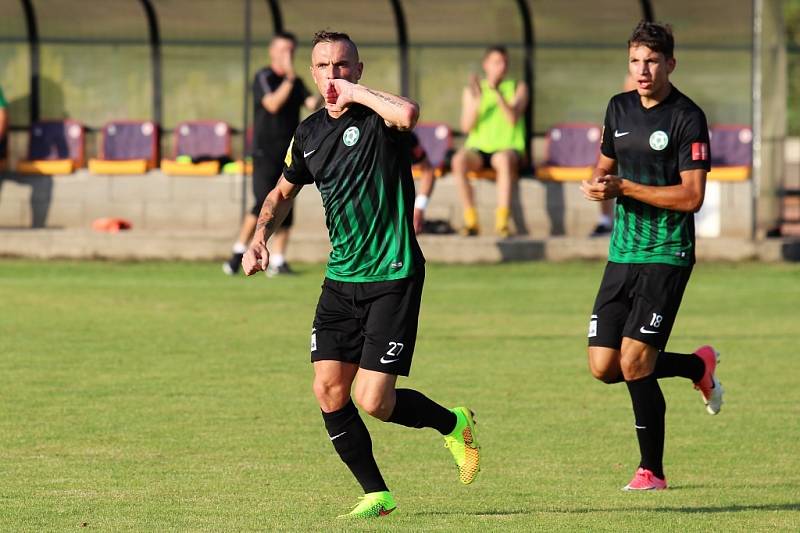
<point>641,329</point>
<point>639,427</point>
<point>337,436</point>
<point>306,154</point>
<point>386,361</point>
<point>618,133</point>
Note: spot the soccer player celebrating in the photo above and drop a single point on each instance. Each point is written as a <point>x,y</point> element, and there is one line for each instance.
<point>654,159</point>
<point>357,152</point>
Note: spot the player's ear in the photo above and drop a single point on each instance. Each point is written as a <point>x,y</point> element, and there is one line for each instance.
<point>671,62</point>
<point>359,70</point>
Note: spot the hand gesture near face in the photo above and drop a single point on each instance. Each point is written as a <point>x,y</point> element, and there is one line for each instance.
<point>339,94</point>
<point>288,64</point>
<point>474,86</point>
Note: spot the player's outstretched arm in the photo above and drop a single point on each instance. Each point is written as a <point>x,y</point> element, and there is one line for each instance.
<point>275,208</point>
<point>398,112</point>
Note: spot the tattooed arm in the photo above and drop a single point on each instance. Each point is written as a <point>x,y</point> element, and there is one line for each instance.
<point>398,112</point>
<point>276,206</point>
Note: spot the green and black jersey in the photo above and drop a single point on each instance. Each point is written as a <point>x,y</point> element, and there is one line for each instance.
<point>362,169</point>
<point>652,146</point>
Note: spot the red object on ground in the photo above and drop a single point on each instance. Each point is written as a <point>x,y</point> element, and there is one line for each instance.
<point>111,225</point>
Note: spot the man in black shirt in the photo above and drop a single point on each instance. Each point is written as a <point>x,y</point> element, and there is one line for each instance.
<point>278,95</point>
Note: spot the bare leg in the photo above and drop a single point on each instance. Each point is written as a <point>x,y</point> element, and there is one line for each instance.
<point>463,162</point>
<point>346,430</point>
<point>506,165</point>
<point>279,241</point>
<point>248,226</point>
<point>604,364</point>
<point>332,383</point>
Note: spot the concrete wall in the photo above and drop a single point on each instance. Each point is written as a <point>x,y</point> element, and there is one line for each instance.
<point>213,204</point>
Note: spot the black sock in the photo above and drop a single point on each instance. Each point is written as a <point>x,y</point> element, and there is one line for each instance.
<point>352,442</point>
<point>688,366</point>
<point>649,409</point>
<point>415,410</point>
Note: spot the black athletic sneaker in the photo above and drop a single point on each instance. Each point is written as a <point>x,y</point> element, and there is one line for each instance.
<point>601,230</point>
<point>282,270</point>
<point>232,265</point>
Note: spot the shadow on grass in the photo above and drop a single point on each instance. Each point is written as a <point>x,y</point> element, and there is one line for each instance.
<point>659,509</point>
<point>690,510</point>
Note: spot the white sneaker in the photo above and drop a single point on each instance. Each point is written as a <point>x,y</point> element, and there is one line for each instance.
<point>709,386</point>
<point>282,270</point>
<point>714,401</point>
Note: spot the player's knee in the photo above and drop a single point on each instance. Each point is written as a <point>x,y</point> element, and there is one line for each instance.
<point>635,367</point>
<point>459,162</point>
<point>331,395</point>
<point>505,159</point>
<point>374,404</point>
<point>606,375</point>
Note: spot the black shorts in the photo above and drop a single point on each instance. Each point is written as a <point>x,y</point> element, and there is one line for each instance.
<point>639,301</point>
<point>373,325</point>
<point>266,172</point>
<point>486,158</point>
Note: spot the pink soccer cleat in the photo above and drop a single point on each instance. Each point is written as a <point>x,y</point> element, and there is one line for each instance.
<point>709,386</point>
<point>645,480</point>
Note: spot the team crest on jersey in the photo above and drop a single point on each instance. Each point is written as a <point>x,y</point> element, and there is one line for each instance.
<point>350,136</point>
<point>659,140</point>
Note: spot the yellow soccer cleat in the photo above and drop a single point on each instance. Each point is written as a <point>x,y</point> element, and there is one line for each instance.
<point>372,505</point>
<point>463,444</point>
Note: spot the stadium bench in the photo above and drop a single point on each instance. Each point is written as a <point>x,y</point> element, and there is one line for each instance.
<point>571,152</point>
<point>127,147</point>
<point>436,138</point>
<point>54,147</point>
<point>203,144</point>
<point>731,152</point>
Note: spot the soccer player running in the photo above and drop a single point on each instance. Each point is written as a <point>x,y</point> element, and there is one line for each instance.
<point>356,150</point>
<point>654,159</point>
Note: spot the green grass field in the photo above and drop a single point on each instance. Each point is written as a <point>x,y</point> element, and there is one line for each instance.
<point>166,396</point>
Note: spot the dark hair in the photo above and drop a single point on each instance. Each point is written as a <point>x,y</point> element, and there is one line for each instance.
<point>499,48</point>
<point>284,35</point>
<point>325,36</point>
<point>657,37</point>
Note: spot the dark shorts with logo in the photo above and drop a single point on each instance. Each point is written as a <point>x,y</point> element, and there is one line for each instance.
<point>639,301</point>
<point>266,172</point>
<point>373,324</point>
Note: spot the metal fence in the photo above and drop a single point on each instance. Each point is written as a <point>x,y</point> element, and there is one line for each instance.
<point>173,60</point>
